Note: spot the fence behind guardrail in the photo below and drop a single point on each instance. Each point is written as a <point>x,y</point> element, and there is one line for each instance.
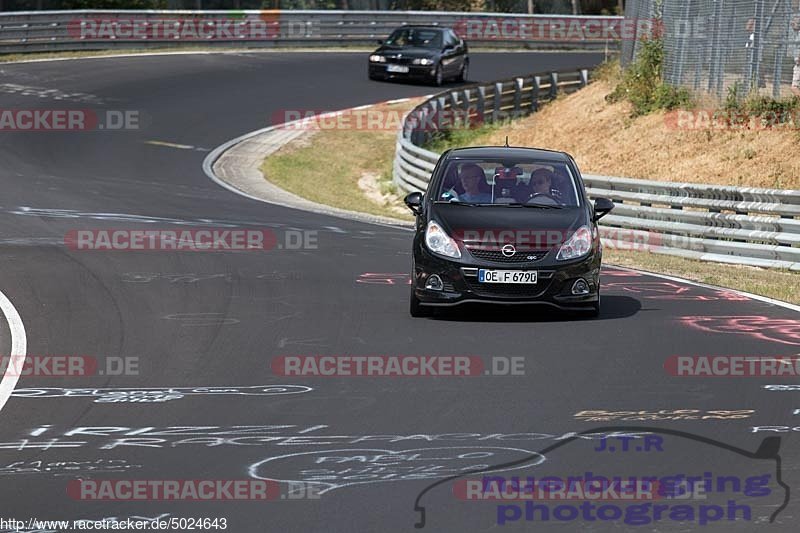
<point>717,46</point>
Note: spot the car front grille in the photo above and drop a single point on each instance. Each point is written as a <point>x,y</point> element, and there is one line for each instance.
<point>496,256</point>
<point>399,60</point>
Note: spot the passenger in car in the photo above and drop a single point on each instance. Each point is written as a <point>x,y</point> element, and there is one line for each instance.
<point>541,181</point>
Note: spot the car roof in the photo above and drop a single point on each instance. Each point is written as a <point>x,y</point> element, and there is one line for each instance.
<point>506,151</point>
<point>423,27</point>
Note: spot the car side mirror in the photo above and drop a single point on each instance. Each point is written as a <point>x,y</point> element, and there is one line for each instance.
<point>602,207</point>
<point>414,202</point>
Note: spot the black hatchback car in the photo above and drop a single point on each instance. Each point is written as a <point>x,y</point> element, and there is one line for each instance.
<point>430,53</point>
<point>506,225</point>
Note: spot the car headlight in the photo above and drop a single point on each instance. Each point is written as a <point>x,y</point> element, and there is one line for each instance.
<point>439,242</point>
<point>579,244</point>
<point>422,61</point>
<point>375,58</point>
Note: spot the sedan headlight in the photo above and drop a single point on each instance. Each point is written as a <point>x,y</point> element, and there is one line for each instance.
<point>439,242</point>
<point>375,58</point>
<point>576,246</point>
<point>422,61</point>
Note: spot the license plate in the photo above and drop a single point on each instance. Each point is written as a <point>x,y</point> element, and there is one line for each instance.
<point>397,68</point>
<point>507,276</point>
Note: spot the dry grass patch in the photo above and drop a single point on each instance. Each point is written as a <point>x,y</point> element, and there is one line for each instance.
<point>344,167</point>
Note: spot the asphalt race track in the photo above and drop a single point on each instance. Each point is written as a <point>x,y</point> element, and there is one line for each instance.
<point>379,449</point>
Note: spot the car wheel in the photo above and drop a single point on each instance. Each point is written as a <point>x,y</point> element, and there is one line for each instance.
<point>416,309</point>
<point>438,76</point>
<point>462,76</point>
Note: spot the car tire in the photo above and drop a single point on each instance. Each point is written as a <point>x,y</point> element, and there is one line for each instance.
<point>462,76</point>
<point>438,76</point>
<point>416,309</point>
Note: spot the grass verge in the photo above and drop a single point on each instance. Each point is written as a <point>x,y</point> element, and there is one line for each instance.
<point>344,167</point>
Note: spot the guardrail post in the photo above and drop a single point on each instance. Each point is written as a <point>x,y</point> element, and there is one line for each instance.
<point>553,84</point>
<point>423,128</point>
<point>465,106</point>
<point>480,105</point>
<point>442,105</point>
<point>535,93</point>
<point>498,95</point>
<point>432,120</point>
<point>406,128</point>
<point>453,99</point>
<point>517,97</point>
<point>449,119</point>
<point>584,77</point>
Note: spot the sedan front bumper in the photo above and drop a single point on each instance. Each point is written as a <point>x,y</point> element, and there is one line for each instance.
<point>380,70</point>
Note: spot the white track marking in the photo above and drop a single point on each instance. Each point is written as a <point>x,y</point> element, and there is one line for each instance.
<point>764,299</point>
<point>244,52</point>
<point>19,347</point>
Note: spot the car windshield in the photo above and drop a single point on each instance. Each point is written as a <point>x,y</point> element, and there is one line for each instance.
<point>527,183</point>
<point>423,38</point>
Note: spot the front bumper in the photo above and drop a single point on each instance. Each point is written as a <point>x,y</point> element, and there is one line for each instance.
<point>379,70</point>
<point>460,280</point>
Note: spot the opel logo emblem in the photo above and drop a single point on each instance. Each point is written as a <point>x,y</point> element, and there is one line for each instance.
<point>509,250</point>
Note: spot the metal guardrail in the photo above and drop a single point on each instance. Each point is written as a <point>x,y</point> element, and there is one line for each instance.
<point>41,31</point>
<point>759,227</point>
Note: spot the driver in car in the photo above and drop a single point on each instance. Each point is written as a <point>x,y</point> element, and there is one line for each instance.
<point>541,181</point>
<point>542,184</point>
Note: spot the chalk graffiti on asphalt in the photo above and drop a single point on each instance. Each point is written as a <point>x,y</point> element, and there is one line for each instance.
<point>47,437</point>
<point>333,469</point>
<point>146,395</point>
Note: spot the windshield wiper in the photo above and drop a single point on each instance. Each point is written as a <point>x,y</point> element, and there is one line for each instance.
<point>539,206</point>
<point>471,204</point>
